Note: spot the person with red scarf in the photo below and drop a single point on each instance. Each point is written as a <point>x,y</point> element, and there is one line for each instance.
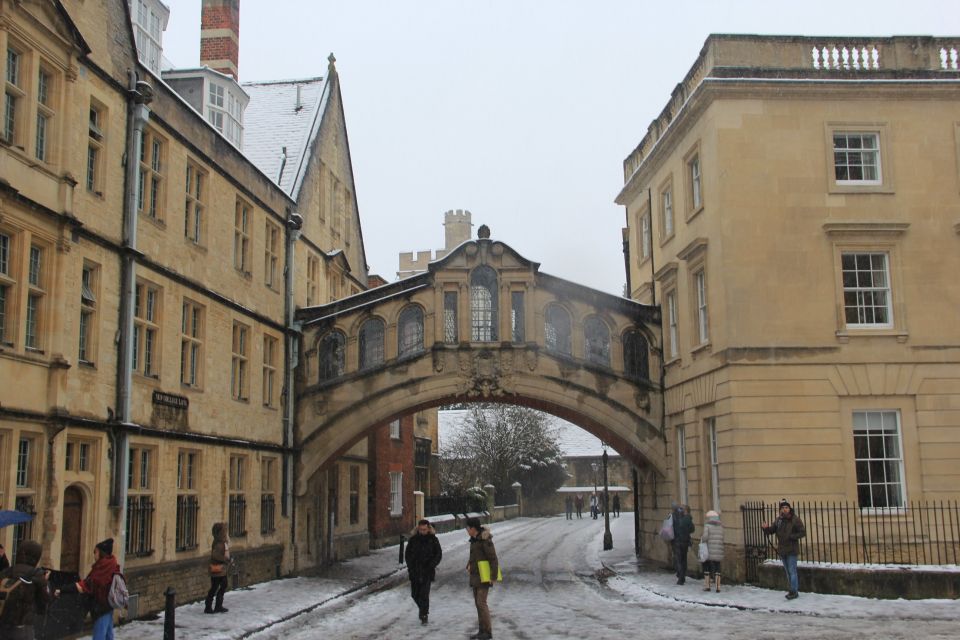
<point>97,585</point>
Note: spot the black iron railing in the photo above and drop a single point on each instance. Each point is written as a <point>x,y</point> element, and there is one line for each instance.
<point>139,525</point>
<point>188,509</point>
<point>268,513</point>
<point>238,515</point>
<point>918,533</point>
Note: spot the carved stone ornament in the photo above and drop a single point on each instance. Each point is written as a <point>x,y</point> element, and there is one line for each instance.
<point>439,360</point>
<point>531,359</point>
<point>482,375</point>
<point>642,399</point>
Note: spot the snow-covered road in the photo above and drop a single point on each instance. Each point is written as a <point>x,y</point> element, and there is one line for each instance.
<point>550,590</point>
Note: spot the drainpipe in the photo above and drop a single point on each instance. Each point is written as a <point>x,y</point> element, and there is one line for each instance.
<point>139,95</point>
<point>291,357</point>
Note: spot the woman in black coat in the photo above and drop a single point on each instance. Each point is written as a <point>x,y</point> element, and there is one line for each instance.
<point>422,557</point>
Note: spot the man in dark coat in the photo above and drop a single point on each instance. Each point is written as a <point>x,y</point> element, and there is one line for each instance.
<point>682,530</point>
<point>27,596</point>
<point>481,550</point>
<point>422,557</point>
<point>789,530</point>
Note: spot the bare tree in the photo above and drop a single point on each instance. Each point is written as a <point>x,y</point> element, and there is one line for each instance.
<point>502,444</point>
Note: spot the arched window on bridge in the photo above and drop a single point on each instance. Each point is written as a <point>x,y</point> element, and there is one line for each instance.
<point>597,340</point>
<point>371,343</point>
<point>410,331</point>
<point>557,329</point>
<point>635,356</point>
<point>331,355</point>
<point>483,305</point>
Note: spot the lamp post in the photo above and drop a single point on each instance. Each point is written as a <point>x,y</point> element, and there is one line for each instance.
<point>596,498</point>
<point>607,536</point>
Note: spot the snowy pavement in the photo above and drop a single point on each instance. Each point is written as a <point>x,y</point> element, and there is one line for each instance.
<point>550,590</point>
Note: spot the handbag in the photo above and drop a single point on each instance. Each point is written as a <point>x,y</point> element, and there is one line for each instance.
<point>666,529</point>
<point>218,569</point>
<point>703,551</point>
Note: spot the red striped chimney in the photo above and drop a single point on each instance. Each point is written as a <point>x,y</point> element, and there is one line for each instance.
<point>220,36</point>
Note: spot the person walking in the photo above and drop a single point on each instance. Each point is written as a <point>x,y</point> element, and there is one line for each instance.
<point>789,529</point>
<point>568,503</point>
<point>713,538</point>
<point>481,550</point>
<point>97,586</point>
<point>593,506</point>
<point>579,504</point>
<point>25,588</point>
<point>682,530</point>
<point>616,505</point>
<point>219,563</point>
<point>422,556</point>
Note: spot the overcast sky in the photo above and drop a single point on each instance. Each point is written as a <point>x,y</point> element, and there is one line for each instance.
<point>519,111</point>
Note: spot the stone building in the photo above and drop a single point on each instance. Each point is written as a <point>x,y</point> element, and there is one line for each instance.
<point>146,307</point>
<point>794,211</point>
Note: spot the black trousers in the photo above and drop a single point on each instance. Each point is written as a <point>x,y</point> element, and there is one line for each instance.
<point>680,560</point>
<point>218,587</point>
<point>420,592</point>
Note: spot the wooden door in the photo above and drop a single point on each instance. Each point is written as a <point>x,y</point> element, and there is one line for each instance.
<point>72,530</point>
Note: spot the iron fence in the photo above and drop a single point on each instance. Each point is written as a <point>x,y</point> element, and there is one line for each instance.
<point>188,509</point>
<point>139,525</point>
<point>843,532</point>
<point>268,513</point>
<point>238,515</point>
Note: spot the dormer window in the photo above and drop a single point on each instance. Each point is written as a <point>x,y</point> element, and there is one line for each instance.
<point>149,22</point>
<point>225,112</point>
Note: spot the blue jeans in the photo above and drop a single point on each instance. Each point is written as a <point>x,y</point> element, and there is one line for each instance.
<point>790,567</point>
<point>103,627</point>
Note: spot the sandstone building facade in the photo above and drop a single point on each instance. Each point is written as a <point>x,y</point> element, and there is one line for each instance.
<point>794,211</point>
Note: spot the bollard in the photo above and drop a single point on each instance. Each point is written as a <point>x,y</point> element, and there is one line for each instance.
<point>402,540</point>
<point>169,614</point>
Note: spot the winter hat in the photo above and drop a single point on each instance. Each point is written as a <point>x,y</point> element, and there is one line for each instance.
<point>29,553</point>
<point>106,547</point>
<point>713,515</point>
<point>784,503</point>
<point>474,523</point>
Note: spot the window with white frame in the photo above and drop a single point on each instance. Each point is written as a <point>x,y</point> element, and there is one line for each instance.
<point>36,297</point>
<point>95,127</point>
<point>194,218</point>
<point>140,501</point>
<point>696,185</point>
<point>645,239</point>
<point>188,502</point>
<point>666,212</point>
<point>268,495</point>
<point>271,257</point>
<point>89,281</point>
<point>396,493</point>
<point>14,97</point>
<point>146,330</point>
<point>237,510</point>
<point>191,344</point>
<point>711,424</point>
<point>878,455</point>
<point>484,310</point>
<point>866,290</point>
<point>313,280</point>
<point>149,20</point>
<point>45,113</point>
<point>239,370</point>
<point>700,286</point>
<point>683,487</point>
<point>271,348</point>
<point>8,287</point>
<point>856,157</point>
<point>151,176</point>
<point>241,237</point>
<point>395,429</point>
<point>673,333</point>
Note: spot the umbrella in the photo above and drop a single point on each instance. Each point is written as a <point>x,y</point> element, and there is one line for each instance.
<point>9,517</point>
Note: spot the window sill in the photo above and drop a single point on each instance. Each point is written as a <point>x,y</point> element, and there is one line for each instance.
<point>86,364</point>
<point>153,380</point>
<point>844,335</point>
<point>675,361</point>
<point>854,188</point>
<point>195,246</point>
<point>703,346</point>
<point>693,214</point>
<point>96,193</point>
<point>191,388</point>
<point>157,222</point>
<point>241,400</point>
<point>666,239</point>
<point>246,275</point>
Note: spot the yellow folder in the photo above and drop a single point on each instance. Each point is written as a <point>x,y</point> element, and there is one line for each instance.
<point>483,568</point>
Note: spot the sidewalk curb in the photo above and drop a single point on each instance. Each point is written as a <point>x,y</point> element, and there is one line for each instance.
<point>359,587</point>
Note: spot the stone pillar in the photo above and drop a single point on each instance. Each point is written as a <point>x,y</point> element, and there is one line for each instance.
<point>418,507</point>
<point>491,492</point>
<point>516,486</point>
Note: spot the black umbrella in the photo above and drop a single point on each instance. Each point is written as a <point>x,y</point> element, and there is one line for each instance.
<point>9,517</point>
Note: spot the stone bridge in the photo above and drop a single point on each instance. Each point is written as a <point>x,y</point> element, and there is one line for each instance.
<point>481,324</point>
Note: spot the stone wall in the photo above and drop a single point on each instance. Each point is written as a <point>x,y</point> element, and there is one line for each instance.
<point>191,578</point>
<point>870,583</point>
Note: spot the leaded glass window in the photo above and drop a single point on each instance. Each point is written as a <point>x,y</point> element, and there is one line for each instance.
<point>410,331</point>
<point>558,329</point>
<point>371,343</point>
<point>483,305</point>
<point>516,316</point>
<point>635,357</point>
<point>332,359</point>
<point>597,340</point>
<point>450,332</point>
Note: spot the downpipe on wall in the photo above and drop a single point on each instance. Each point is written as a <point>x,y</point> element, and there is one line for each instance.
<point>291,354</point>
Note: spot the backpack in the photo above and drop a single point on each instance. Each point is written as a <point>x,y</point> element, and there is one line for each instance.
<point>7,587</point>
<point>118,596</point>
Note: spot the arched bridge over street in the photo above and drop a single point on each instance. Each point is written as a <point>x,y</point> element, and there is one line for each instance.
<point>481,324</point>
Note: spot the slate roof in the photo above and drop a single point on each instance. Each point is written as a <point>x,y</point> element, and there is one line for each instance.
<point>574,441</point>
<point>272,121</point>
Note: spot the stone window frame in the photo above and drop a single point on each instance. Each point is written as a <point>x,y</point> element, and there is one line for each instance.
<point>338,367</point>
<point>271,255</point>
<point>48,88</point>
<point>243,237</point>
<point>594,321</point>
<point>371,354</point>
<point>16,91</point>
<point>89,314</point>
<point>192,343</point>
<point>410,318</point>
<point>270,353</point>
<point>683,476</point>
<point>96,127</point>
<point>151,203</point>
<point>667,277</point>
<point>187,499</point>
<point>196,198</point>
<point>147,321</point>
<point>40,254</point>
<point>240,351</point>
<point>884,134</point>
<point>10,283</point>
<point>313,279</point>
<point>268,494</point>
<point>236,495</point>
<point>694,256</point>
<point>484,322</point>
<point>665,194</point>
<point>694,189</point>
<point>632,362</point>
<point>869,237</point>
<point>552,340</point>
<point>141,499</point>
<point>644,235</point>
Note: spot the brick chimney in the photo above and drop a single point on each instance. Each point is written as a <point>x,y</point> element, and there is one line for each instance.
<point>220,36</point>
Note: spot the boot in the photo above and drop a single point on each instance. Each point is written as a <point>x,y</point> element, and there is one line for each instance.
<point>706,582</point>
<point>718,583</point>
<point>208,605</point>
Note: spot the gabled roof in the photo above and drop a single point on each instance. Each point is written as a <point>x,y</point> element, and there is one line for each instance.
<point>274,121</point>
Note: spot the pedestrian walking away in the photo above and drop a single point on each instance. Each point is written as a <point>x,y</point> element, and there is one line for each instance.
<point>568,503</point>
<point>789,529</point>
<point>97,587</point>
<point>682,530</point>
<point>713,539</point>
<point>422,556</point>
<point>593,506</point>
<point>616,505</point>
<point>24,590</point>
<point>481,550</point>
<point>219,563</point>
<point>579,503</point>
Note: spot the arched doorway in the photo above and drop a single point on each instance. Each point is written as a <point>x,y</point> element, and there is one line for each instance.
<point>72,537</point>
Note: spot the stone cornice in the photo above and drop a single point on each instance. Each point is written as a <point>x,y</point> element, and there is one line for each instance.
<point>865,228</point>
<point>664,272</point>
<point>696,247</point>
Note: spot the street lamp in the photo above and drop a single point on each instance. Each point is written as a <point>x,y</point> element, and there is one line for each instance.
<point>596,498</point>
<point>607,536</point>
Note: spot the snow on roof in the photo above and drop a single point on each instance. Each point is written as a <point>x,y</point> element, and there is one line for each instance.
<point>273,121</point>
<point>574,441</point>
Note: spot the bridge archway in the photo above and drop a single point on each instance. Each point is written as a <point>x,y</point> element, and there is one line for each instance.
<point>481,324</point>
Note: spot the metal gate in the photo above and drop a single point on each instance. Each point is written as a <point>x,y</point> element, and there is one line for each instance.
<point>756,545</point>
